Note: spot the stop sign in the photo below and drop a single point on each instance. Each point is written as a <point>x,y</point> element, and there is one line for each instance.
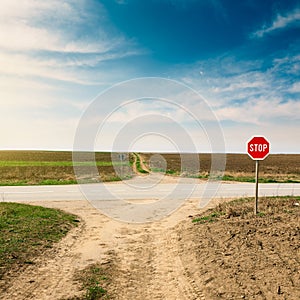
<point>258,147</point>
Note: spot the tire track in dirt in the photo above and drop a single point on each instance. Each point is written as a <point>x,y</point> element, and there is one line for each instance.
<point>167,274</point>
<point>40,280</point>
<point>170,265</point>
<point>150,266</point>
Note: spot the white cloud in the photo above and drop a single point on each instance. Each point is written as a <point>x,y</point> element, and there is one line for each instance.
<point>291,19</point>
<point>295,88</point>
<point>251,96</point>
<point>58,39</point>
<point>23,65</point>
<point>260,111</point>
<point>21,37</point>
<point>233,87</point>
<point>54,26</point>
<point>223,91</point>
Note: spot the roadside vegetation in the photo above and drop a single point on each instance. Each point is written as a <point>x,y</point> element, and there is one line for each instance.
<point>26,231</point>
<point>243,208</point>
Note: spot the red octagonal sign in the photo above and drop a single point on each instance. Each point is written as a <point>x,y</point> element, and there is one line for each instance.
<point>258,147</point>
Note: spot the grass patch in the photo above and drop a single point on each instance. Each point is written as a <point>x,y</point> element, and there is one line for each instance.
<point>208,218</point>
<point>41,182</point>
<point>236,178</point>
<point>55,163</point>
<point>158,170</point>
<point>250,179</point>
<point>167,172</point>
<point>171,172</point>
<point>14,183</point>
<point>26,231</point>
<point>56,182</point>
<point>243,208</point>
<point>260,180</point>
<point>105,178</point>
<point>95,281</point>
<point>116,178</point>
<point>59,163</point>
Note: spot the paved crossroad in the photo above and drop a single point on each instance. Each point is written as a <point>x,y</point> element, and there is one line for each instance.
<point>131,190</point>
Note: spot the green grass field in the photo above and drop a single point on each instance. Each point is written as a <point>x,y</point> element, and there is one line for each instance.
<point>27,231</point>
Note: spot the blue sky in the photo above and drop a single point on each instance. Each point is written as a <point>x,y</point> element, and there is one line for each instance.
<point>241,56</point>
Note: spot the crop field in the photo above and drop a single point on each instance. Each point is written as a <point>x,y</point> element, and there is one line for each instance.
<point>54,167</point>
<point>239,167</point>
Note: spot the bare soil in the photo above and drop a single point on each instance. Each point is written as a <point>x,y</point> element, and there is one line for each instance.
<point>229,255</point>
<point>242,256</point>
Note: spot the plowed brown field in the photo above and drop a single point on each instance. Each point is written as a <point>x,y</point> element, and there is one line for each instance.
<point>240,167</point>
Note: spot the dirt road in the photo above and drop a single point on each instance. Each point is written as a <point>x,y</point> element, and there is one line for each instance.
<point>148,265</point>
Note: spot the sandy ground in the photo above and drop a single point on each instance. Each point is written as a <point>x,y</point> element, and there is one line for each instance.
<point>146,257</point>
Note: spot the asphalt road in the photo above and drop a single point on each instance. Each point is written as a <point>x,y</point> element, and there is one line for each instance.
<point>143,189</point>
<point>144,199</point>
